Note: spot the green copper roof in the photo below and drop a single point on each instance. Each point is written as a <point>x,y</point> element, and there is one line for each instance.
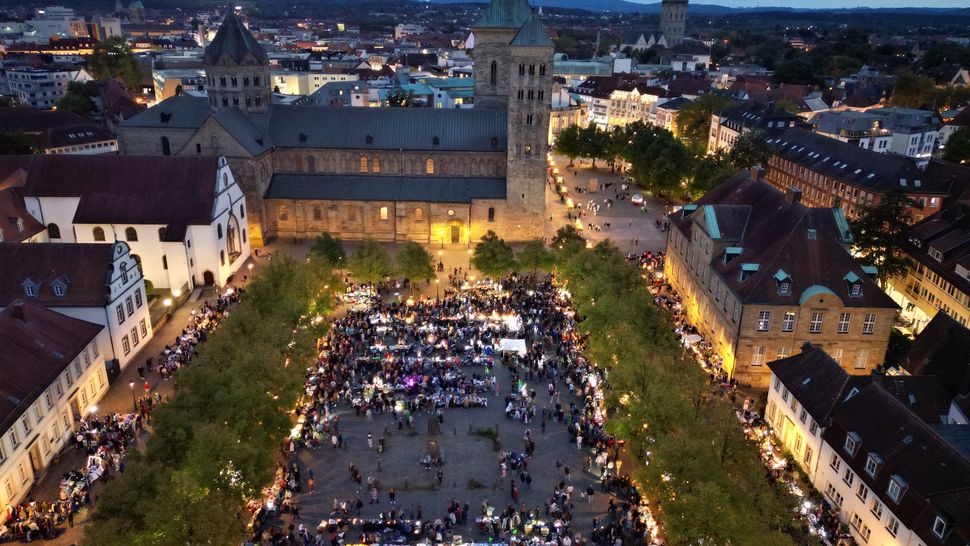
<point>851,277</point>
<point>504,14</point>
<point>236,40</point>
<point>813,290</point>
<point>781,275</point>
<point>750,267</point>
<point>870,270</point>
<point>532,33</point>
<point>711,219</point>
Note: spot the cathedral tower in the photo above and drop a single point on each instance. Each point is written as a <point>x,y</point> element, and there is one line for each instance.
<point>513,71</point>
<point>672,20</point>
<point>237,69</point>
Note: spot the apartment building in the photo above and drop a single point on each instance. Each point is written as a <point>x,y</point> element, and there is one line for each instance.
<point>52,373</point>
<point>760,274</point>
<point>729,124</point>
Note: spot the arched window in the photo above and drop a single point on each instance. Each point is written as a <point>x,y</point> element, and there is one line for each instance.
<point>384,213</point>
<point>242,211</point>
<point>131,234</point>
<point>166,146</point>
<point>53,231</point>
<point>222,81</point>
<point>493,73</point>
<point>161,234</point>
<point>491,214</point>
<point>219,230</point>
<point>124,272</point>
<point>164,261</point>
<point>222,257</point>
<point>317,213</point>
<point>375,165</point>
<point>419,214</point>
<point>225,180</point>
<point>235,82</point>
<point>429,166</point>
<point>363,163</point>
<point>98,233</point>
<point>311,164</point>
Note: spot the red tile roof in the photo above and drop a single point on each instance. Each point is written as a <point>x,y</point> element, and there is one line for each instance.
<point>38,344</point>
<point>16,224</point>
<point>85,268</point>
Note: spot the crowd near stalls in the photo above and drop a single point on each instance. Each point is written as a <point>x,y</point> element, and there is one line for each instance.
<point>813,510</point>
<point>105,440</point>
<point>420,358</point>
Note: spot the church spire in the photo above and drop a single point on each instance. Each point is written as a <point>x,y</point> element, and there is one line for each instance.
<point>234,39</point>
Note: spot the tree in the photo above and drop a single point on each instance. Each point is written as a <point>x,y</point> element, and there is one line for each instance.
<point>568,143</point>
<point>371,263</point>
<point>16,143</point>
<point>879,233</point>
<point>913,91</point>
<point>658,161</point>
<point>535,257</point>
<point>749,150</point>
<point>707,172</point>
<point>77,100</point>
<point>796,71</point>
<point>694,120</point>
<point>593,142</point>
<point>113,58</point>
<point>493,256</point>
<point>400,98</point>
<point>329,248</point>
<point>567,241</point>
<point>415,263</point>
<point>957,147</point>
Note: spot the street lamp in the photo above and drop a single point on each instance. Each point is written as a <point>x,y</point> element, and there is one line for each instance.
<point>134,404</point>
<point>167,302</point>
<point>437,293</point>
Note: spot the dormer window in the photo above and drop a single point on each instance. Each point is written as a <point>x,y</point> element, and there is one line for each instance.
<point>731,253</point>
<point>852,441</point>
<point>59,289</point>
<point>854,284</point>
<point>747,270</point>
<point>896,488</point>
<point>783,282</point>
<point>873,462</point>
<point>31,288</point>
<point>940,526</point>
<point>935,254</point>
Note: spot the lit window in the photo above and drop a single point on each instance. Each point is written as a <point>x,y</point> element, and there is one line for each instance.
<point>815,326</point>
<point>429,166</point>
<point>842,327</point>
<point>788,322</point>
<point>384,214</point>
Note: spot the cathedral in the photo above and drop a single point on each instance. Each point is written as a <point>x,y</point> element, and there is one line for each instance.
<point>393,174</point>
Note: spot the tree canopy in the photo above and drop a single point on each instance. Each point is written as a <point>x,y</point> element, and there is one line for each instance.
<point>371,263</point>
<point>658,160</point>
<point>113,58</point>
<point>879,233</point>
<point>329,248</point>
<point>16,144</point>
<point>957,147</point>
<point>568,142</point>
<point>414,262</point>
<point>534,256</point>
<point>694,120</point>
<point>493,256</point>
<point>749,150</point>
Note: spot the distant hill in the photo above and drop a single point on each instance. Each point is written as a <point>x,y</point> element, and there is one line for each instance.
<point>624,6</point>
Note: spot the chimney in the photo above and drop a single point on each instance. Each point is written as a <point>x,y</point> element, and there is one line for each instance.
<point>793,195</point>
<point>757,172</point>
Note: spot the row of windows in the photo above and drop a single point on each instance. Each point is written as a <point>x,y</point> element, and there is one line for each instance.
<point>233,81</point>
<point>532,94</point>
<point>283,214</point>
<point>126,344</point>
<point>531,69</point>
<point>120,310</point>
<point>816,321</point>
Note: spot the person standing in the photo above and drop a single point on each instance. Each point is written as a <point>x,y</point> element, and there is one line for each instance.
<point>310,481</point>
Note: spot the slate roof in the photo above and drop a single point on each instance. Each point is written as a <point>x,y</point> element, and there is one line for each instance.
<point>242,128</point>
<point>946,231</point>
<point>181,112</point>
<point>30,120</point>
<point>504,14</point>
<point>234,39</point>
<point>12,209</point>
<point>774,233</point>
<point>756,115</point>
<point>874,171</point>
<point>533,33</point>
<point>75,135</point>
<point>38,345</point>
<point>86,268</point>
<point>175,191</point>
<point>936,474</point>
<point>942,349</point>
<point>816,381</point>
<point>338,187</point>
<point>480,130</point>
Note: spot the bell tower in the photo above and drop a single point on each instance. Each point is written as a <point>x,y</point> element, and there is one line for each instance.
<point>237,69</point>
<point>673,18</point>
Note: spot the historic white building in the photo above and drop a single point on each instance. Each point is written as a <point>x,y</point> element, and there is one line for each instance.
<point>97,283</point>
<point>52,372</point>
<point>184,218</point>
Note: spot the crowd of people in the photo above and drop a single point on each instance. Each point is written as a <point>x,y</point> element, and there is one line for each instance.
<point>398,361</point>
<point>104,441</point>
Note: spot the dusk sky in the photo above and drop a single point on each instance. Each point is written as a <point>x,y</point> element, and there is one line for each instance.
<point>834,3</point>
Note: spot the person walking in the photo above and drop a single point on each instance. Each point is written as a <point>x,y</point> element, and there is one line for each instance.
<point>310,481</point>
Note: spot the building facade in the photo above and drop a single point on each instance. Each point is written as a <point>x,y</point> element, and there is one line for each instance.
<point>438,176</point>
<point>98,283</point>
<point>831,173</point>
<point>52,373</point>
<point>760,274</point>
<point>41,87</point>
<point>728,125</point>
<point>673,21</point>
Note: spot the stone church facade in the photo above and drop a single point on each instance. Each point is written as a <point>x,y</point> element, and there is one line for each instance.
<point>440,177</point>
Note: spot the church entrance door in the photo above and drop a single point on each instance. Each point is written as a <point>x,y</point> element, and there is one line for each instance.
<point>455,234</point>
<point>208,278</point>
